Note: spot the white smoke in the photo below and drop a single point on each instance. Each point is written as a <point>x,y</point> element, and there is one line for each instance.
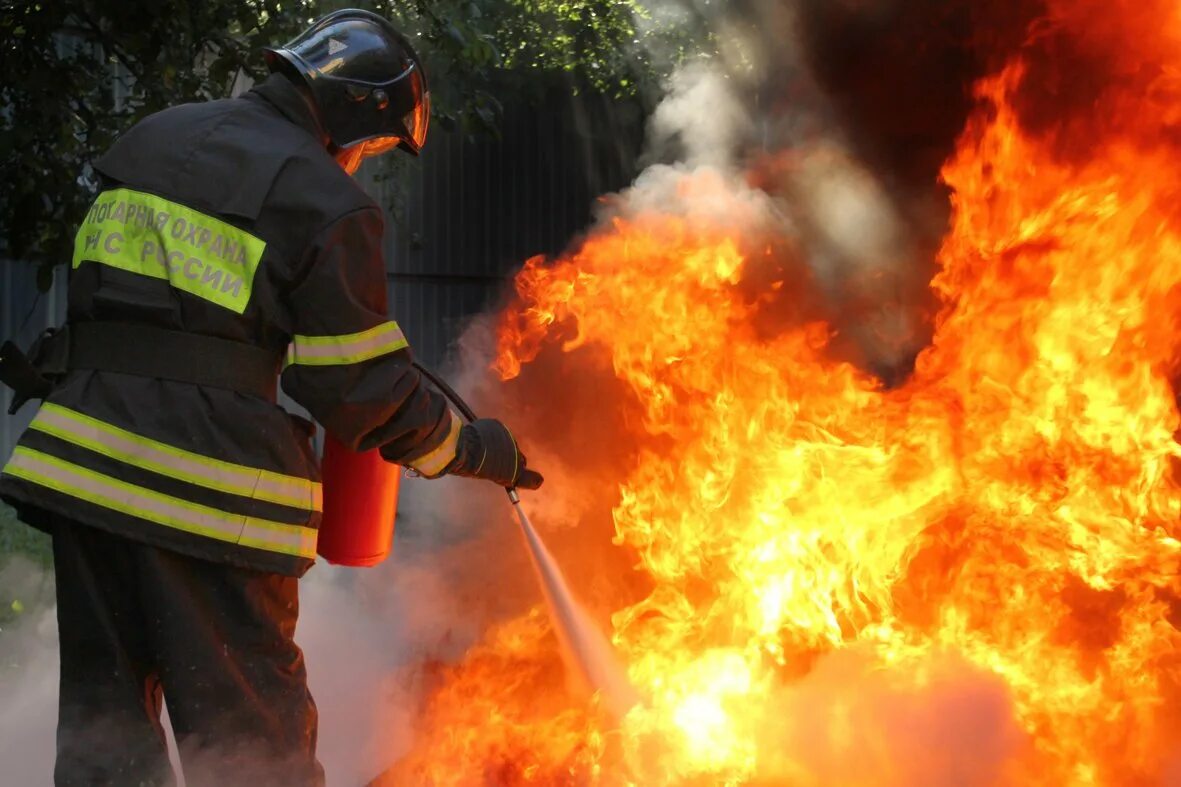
<point>366,634</point>
<point>754,105</point>
<point>942,723</point>
<point>28,674</point>
<point>701,114</point>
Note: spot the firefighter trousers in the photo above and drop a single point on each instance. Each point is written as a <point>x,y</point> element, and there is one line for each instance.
<point>138,624</point>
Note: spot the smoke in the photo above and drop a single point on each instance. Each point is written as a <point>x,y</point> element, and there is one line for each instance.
<point>941,722</point>
<point>676,128</point>
<point>840,114</point>
<point>28,673</point>
<point>375,638</point>
<point>369,639</point>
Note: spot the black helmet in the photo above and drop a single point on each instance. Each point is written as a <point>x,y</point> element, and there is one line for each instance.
<point>364,76</point>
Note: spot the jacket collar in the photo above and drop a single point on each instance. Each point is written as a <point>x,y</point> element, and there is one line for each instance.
<point>278,91</point>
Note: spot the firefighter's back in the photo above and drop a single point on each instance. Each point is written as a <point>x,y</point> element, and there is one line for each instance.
<point>201,227</point>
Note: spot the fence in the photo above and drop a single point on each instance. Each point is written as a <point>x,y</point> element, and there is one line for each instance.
<point>464,217</point>
<point>23,315</point>
<point>480,209</point>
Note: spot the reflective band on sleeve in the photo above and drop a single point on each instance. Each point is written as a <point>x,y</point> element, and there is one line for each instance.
<point>102,490</point>
<point>346,348</point>
<point>151,236</point>
<point>167,460</point>
<point>436,460</point>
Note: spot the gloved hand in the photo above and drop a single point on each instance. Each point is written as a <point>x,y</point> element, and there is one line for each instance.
<point>487,450</point>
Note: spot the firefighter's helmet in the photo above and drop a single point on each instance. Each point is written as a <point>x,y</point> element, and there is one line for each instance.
<point>366,80</point>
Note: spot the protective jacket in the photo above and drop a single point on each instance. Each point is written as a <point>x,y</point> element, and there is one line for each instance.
<point>227,219</point>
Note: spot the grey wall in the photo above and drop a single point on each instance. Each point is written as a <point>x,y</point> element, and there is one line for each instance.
<point>23,315</point>
<point>478,209</point>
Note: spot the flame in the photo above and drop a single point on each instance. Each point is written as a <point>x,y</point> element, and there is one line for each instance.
<point>1013,504</point>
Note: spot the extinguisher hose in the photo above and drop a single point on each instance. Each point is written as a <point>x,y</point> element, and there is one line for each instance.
<point>447,391</point>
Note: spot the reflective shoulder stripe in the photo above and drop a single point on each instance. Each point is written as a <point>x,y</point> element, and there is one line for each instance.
<point>346,348</point>
<point>167,460</point>
<point>149,235</point>
<point>102,490</point>
<point>434,461</point>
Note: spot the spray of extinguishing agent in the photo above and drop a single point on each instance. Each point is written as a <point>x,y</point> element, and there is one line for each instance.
<point>587,652</point>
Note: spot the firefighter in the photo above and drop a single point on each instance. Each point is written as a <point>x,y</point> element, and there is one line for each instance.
<point>228,251</point>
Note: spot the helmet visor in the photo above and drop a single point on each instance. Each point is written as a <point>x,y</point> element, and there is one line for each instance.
<point>419,116</point>
<point>415,121</point>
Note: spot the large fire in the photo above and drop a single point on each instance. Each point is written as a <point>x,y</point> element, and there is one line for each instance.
<point>1010,511</point>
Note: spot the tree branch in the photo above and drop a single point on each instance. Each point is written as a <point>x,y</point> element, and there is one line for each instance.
<point>108,43</point>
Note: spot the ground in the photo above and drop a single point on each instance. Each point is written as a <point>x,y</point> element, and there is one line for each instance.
<point>22,542</point>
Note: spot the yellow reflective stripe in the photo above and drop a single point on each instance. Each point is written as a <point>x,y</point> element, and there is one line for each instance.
<point>346,348</point>
<point>434,461</point>
<point>148,454</point>
<point>111,493</point>
<point>149,235</point>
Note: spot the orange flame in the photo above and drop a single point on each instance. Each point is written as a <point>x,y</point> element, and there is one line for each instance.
<point>1014,503</point>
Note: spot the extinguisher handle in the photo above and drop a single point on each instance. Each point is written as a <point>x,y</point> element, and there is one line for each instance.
<point>464,409</point>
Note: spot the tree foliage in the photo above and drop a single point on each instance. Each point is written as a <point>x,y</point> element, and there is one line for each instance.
<point>76,74</point>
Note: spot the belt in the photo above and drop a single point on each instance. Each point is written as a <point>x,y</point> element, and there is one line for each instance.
<point>147,351</point>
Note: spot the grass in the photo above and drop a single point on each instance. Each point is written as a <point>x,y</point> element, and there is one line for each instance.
<point>17,538</point>
<point>26,560</point>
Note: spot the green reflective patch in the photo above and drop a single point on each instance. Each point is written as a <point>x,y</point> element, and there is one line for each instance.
<point>192,251</point>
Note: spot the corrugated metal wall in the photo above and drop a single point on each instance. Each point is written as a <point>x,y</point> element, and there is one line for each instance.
<point>462,219</point>
<point>23,315</point>
<point>477,210</point>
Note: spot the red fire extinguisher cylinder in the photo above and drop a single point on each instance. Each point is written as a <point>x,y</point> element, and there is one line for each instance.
<point>360,503</point>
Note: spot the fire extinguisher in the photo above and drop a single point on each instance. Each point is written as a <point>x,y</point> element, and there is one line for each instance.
<point>360,503</point>
<point>361,498</point>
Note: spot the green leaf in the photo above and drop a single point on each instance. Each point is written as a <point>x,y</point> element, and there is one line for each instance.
<point>474,49</point>
<point>456,35</point>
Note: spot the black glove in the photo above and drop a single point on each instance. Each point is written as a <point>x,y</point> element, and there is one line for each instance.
<point>487,450</point>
